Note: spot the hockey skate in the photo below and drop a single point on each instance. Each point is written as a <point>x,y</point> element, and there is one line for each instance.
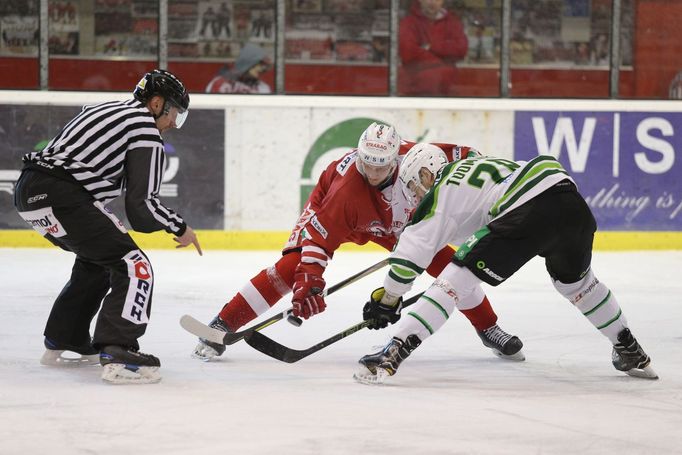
<point>56,354</point>
<point>207,350</point>
<point>628,356</point>
<point>503,345</point>
<point>128,366</point>
<point>375,368</point>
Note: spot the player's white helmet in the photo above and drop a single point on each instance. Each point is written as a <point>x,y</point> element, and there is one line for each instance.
<point>379,145</point>
<point>421,155</point>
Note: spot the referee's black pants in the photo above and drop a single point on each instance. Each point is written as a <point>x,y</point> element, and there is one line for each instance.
<point>110,270</point>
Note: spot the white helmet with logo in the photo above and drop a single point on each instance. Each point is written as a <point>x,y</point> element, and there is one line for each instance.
<point>379,145</point>
<point>421,155</point>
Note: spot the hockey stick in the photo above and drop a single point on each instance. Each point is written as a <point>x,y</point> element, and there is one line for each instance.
<point>270,347</point>
<point>198,328</point>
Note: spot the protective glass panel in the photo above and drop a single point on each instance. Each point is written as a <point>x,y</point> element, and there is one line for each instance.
<point>19,42</point>
<point>101,44</point>
<point>220,46</point>
<point>449,48</point>
<point>337,46</point>
<point>562,48</point>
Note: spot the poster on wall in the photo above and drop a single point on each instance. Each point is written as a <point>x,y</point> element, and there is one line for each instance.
<point>625,163</point>
<point>262,26</point>
<point>126,27</point>
<point>19,35</point>
<point>64,26</point>
<point>193,182</point>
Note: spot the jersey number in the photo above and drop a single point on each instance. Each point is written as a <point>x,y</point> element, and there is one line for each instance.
<point>485,167</point>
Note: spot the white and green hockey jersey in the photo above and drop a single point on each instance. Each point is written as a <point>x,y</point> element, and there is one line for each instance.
<point>467,195</point>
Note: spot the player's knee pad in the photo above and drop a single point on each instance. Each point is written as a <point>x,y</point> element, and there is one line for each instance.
<point>585,293</point>
<point>472,300</point>
<point>282,273</point>
<point>429,314</point>
<point>596,302</point>
<point>461,280</point>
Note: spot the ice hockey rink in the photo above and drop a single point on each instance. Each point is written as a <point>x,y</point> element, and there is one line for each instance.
<point>452,396</point>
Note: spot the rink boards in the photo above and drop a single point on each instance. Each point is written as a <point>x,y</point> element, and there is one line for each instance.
<point>241,168</point>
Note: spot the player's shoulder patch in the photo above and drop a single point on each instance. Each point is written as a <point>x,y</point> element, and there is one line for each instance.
<point>346,163</point>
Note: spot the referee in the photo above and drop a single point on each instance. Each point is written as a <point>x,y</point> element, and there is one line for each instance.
<point>62,193</point>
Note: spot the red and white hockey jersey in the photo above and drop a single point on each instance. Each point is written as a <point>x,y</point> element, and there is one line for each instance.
<point>344,208</point>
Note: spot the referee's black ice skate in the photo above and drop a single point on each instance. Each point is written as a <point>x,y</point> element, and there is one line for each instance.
<point>375,368</point>
<point>503,345</point>
<point>129,366</point>
<point>207,350</point>
<point>628,356</point>
<point>54,355</point>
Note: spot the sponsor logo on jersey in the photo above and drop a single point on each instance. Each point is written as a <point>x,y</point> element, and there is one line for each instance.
<point>36,198</point>
<point>44,221</point>
<point>318,227</point>
<point>344,165</point>
<point>139,289</point>
<point>377,229</point>
<point>481,266</point>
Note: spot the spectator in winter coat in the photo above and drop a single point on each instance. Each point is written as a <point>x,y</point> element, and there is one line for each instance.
<point>244,75</point>
<point>431,40</point>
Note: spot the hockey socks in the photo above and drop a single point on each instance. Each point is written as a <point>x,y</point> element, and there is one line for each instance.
<point>260,293</point>
<point>596,302</point>
<point>482,316</point>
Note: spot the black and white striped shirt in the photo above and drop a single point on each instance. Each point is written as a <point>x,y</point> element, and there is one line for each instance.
<point>110,146</point>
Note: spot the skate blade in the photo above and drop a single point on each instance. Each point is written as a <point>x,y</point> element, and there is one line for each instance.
<point>119,373</point>
<point>364,376</point>
<point>644,373</point>
<point>516,357</point>
<point>56,358</point>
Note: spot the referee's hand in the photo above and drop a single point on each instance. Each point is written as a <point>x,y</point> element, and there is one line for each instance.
<point>189,237</point>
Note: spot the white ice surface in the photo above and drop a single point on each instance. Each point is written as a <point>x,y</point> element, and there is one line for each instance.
<point>452,396</point>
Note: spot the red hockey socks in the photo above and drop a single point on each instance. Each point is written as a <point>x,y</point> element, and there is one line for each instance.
<point>481,316</point>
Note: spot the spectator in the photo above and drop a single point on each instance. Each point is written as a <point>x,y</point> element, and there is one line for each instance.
<point>244,75</point>
<point>431,40</point>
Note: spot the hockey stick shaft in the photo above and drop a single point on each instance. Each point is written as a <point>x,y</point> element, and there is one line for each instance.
<point>272,348</point>
<point>201,330</point>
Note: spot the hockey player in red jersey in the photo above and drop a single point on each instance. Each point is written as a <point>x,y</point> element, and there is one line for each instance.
<point>355,200</point>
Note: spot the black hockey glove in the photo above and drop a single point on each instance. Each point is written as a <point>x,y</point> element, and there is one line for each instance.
<point>378,314</point>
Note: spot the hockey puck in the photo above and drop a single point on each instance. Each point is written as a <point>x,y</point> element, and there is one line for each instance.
<point>293,320</point>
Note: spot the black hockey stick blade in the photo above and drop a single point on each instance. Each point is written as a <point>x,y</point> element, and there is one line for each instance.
<point>198,328</point>
<point>272,348</point>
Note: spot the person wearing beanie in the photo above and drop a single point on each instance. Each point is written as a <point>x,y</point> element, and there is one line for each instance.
<point>244,75</point>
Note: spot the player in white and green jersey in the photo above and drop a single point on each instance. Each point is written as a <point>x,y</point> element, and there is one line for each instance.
<point>501,213</point>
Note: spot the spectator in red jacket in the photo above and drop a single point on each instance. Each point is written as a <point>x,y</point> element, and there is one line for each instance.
<point>431,40</point>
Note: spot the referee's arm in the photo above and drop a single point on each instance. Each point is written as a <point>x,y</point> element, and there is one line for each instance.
<point>146,213</point>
